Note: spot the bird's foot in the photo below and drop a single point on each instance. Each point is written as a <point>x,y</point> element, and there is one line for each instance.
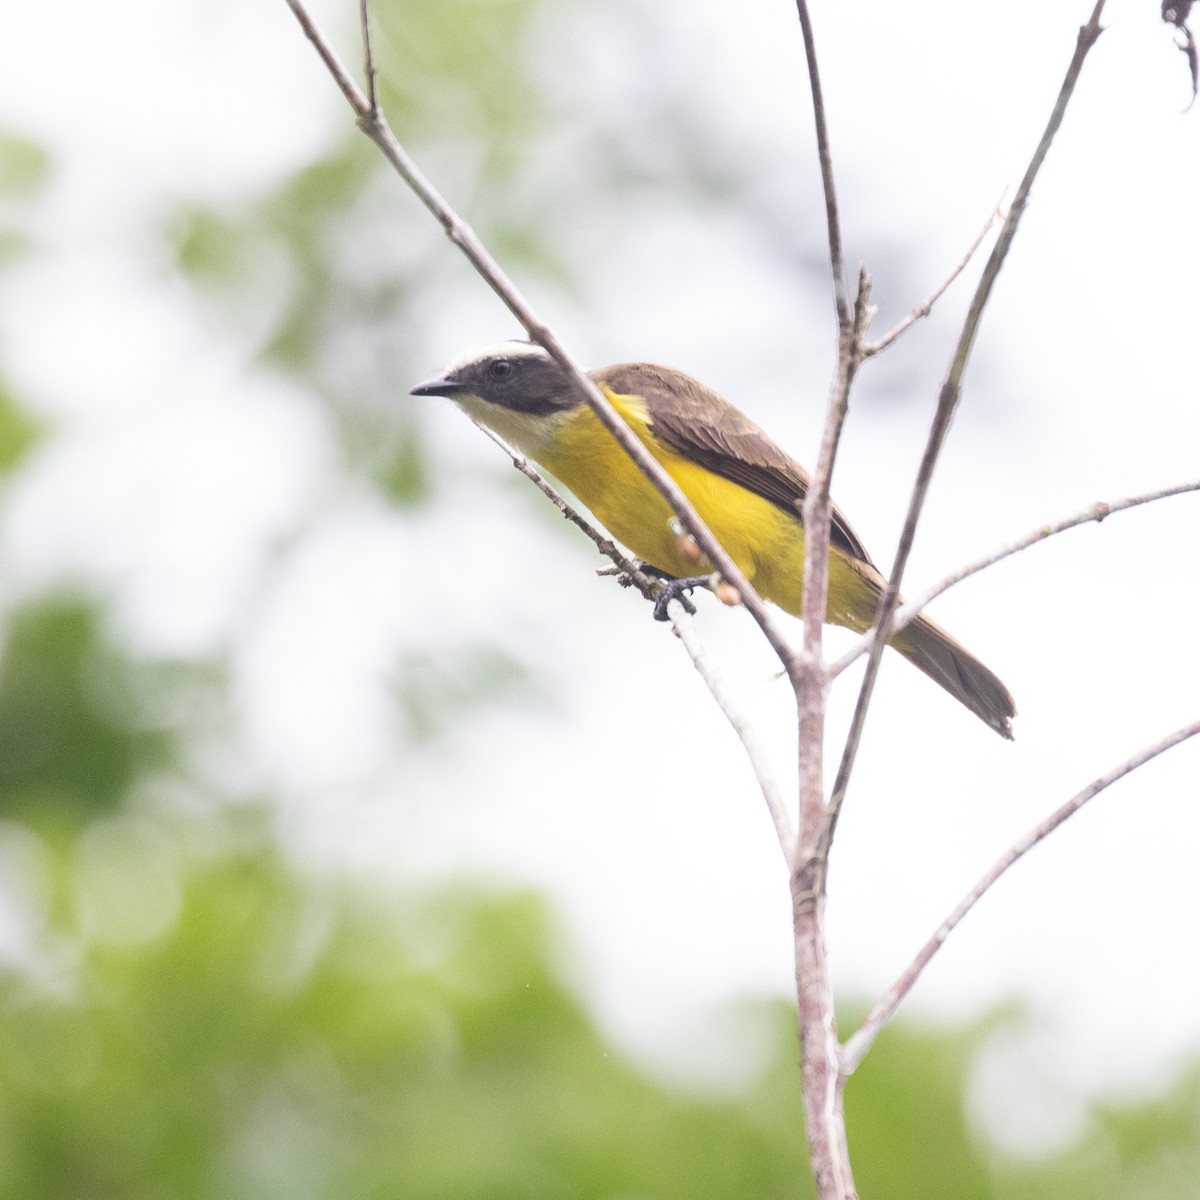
<point>677,589</point>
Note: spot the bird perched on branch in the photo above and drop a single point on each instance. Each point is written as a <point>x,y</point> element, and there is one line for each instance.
<point>745,488</point>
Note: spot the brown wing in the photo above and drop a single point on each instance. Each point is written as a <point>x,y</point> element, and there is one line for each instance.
<point>703,426</point>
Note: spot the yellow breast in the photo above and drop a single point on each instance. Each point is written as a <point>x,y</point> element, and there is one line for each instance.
<point>766,543</point>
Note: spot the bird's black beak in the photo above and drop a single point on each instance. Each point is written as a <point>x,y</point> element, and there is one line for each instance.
<point>443,386</point>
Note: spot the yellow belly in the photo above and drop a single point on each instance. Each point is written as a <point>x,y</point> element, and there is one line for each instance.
<point>766,543</point>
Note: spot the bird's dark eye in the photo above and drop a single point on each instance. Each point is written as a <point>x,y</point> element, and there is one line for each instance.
<point>501,368</point>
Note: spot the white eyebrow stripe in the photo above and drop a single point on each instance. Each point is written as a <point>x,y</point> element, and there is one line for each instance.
<point>499,350</point>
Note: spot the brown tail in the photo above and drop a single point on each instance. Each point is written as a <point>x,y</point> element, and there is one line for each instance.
<point>932,650</point>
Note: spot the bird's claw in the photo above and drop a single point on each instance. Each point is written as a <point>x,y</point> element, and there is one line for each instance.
<point>677,589</point>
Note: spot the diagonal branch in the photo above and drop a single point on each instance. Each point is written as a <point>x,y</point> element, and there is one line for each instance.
<point>626,568</point>
<point>372,122</point>
<point>1095,512</point>
<point>685,630</point>
<point>857,1045</point>
<point>923,309</point>
<point>837,264</point>
<point>364,21</point>
<point>811,682</point>
<point>947,404</point>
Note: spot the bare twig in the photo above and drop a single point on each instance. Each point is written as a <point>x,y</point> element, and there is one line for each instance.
<point>375,126</point>
<point>923,309</point>
<point>364,20</point>
<point>947,403</point>
<point>1094,512</point>
<point>857,1045</point>
<point>811,681</point>
<point>354,96</point>
<point>841,298</point>
<point>685,630</point>
<point>648,585</point>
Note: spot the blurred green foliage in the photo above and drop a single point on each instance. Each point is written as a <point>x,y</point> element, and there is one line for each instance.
<point>278,1037</point>
<point>202,1021</point>
<point>918,1137</point>
<point>334,272</point>
<point>187,1015</point>
<point>273,1036</point>
<point>18,432</point>
<point>71,743</point>
<point>24,165</point>
<point>24,172</point>
<point>327,273</point>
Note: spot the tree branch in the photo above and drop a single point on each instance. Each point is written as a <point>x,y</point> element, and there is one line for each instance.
<point>825,1123</point>
<point>811,681</point>
<point>685,630</point>
<point>372,122</point>
<point>364,21</point>
<point>857,1045</point>
<point>1096,512</point>
<point>948,400</point>
<point>837,265</point>
<point>923,309</point>
<point>648,585</point>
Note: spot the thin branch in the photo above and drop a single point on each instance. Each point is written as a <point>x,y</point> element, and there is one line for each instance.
<point>375,126</point>
<point>1096,512</point>
<point>354,96</point>
<point>685,630</point>
<point>811,681</point>
<point>364,20</point>
<point>947,403</point>
<point>626,568</point>
<point>841,299</point>
<point>857,1045</point>
<point>923,309</point>
<point>819,1049</point>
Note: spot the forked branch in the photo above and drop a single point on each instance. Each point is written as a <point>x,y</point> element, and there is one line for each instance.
<point>1097,512</point>
<point>857,1045</point>
<point>948,400</point>
<point>923,309</point>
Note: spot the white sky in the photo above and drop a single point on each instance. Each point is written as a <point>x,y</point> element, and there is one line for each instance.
<point>175,469</point>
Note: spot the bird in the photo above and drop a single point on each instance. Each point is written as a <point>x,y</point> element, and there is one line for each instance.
<point>747,490</point>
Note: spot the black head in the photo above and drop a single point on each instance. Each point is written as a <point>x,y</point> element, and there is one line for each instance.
<point>518,376</point>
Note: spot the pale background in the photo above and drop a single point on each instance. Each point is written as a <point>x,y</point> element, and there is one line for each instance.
<point>177,469</point>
